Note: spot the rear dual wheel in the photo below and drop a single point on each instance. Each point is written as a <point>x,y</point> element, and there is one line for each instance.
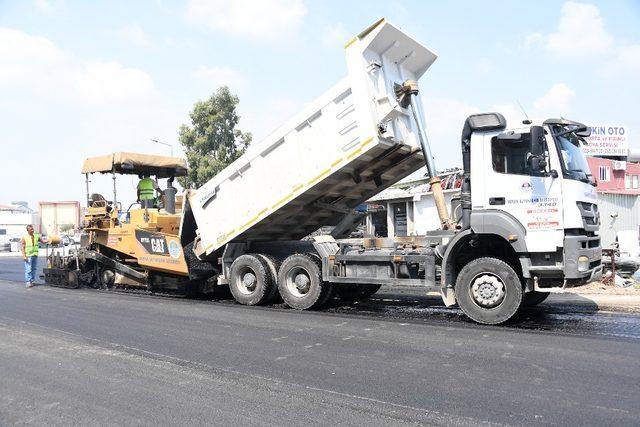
<point>252,279</point>
<point>300,282</point>
<point>257,279</point>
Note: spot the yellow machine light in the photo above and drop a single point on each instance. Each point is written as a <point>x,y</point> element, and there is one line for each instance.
<point>512,237</point>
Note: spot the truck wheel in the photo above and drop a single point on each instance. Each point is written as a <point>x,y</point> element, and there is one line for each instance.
<point>274,265</point>
<point>534,298</point>
<point>300,282</point>
<point>250,280</point>
<point>489,291</point>
<point>356,292</point>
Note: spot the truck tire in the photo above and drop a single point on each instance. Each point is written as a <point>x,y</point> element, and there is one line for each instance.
<point>356,292</point>
<point>274,265</point>
<point>300,282</point>
<point>250,280</point>
<point>489,291</point>
<point>534,298</point>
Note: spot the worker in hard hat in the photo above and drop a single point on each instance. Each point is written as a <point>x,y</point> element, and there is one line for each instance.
<point>30,245</point>
<point>147,188</point>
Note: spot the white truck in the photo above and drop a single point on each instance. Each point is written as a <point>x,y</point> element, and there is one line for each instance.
<point>525,225</point>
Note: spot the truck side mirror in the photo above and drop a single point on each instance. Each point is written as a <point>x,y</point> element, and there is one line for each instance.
<point>537,160</point>
<point>538,163</point>
<point>537,140</point>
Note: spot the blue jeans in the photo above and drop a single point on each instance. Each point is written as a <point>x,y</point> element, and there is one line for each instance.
<point>30,269</point>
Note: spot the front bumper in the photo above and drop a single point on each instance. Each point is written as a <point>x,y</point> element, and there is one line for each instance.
<point>562,268</point>
<point>576,247</point>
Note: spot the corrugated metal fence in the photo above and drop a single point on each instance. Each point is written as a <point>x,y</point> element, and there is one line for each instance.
<point>617,212</point>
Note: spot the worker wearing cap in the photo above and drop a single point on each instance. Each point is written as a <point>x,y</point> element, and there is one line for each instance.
<point>30,247</point>
<point>146,191</point>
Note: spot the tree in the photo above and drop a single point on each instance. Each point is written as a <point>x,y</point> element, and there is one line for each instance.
<point>212,141</point>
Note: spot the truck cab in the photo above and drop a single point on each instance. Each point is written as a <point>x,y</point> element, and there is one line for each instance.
<point>529,199</point>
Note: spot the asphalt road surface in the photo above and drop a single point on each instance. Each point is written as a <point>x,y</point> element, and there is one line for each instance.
<point>97,357</point>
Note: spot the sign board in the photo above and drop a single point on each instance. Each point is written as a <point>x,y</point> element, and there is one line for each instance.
<point>606,140</point>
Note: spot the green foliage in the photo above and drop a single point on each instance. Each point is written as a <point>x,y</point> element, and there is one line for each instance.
<point>212,141</point>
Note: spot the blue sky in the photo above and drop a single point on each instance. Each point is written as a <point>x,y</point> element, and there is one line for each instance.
<point>82,78</point>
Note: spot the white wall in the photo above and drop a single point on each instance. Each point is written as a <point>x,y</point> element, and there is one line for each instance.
<point>15,222</point>
<point>627,208</point>
<point>55,214</point>
<point>425,214</point>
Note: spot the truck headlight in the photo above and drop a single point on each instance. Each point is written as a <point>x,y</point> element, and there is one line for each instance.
<point>583,264</point>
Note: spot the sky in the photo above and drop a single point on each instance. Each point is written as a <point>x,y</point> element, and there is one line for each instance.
<point>85,78</point>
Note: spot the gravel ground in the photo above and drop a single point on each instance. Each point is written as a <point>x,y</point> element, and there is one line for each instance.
<point>602,288</point>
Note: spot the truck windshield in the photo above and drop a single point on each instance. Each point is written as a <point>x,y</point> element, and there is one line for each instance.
<point>574,162</point>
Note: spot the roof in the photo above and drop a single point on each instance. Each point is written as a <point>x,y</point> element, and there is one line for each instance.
<point>420,187</point>
<point>623,191</point>
<point>135,164</point>
<point>16,209</point>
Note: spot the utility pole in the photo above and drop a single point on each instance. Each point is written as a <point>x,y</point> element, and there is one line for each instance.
<point>163,143</point>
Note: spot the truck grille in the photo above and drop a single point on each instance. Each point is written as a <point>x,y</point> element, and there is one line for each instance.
<point>590,215</point>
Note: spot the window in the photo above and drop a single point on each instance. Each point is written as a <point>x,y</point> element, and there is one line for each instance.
<point>604,173</point>
<point>627,181</point>
<point>635,181</point>
<point>513,157</point>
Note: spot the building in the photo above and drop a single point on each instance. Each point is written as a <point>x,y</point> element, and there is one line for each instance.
<point>408,209</point>
<point>618,187</point>
<point>617,176</point>
<point>14,219</point>
<point>58,218</point>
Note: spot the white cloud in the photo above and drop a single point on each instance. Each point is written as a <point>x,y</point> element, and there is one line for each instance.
<point>110,82</point>
<point>34,64</point>
<point>335,36</point>
<point>134,34</point>
<point>17,47</point>
<point>556,102</point>
<point>220,76</point>
<point>58,108</point>
<point>265,19</point>
<point>580,32</point>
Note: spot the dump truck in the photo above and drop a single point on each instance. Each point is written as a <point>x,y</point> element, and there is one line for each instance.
<point>525,224</point>
<point>528,227</point>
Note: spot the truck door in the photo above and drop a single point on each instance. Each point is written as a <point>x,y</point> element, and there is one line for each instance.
<point>533,197</point>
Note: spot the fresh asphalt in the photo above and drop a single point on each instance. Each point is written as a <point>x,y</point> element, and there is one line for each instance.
<point>98,357</point>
